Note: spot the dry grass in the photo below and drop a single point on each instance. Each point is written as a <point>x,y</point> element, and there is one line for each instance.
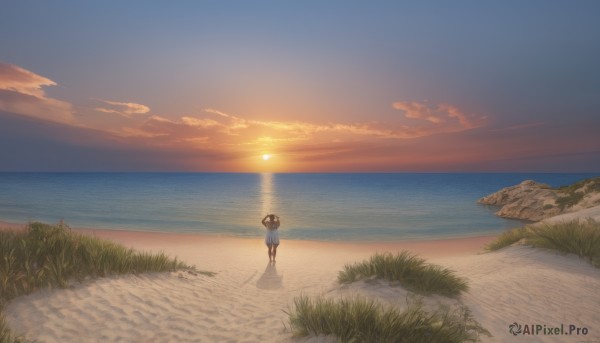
<point>53,256</point>
<point>361,320</point>
<point>412,272</point>
<point>580,237</point>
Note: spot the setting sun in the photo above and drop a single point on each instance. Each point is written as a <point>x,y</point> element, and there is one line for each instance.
<point>266,157</point>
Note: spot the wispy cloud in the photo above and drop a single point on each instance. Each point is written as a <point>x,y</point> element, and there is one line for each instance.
<point>519,126</point>
<point>161,119</point>
<point>203,123</point>
<point>298,127</point>
<point>21,92</point>
<point>17,79</point>
<point>456,121</point>
<point>234,123</point>
<point>123,108</point>
<point>223,139</point>
<point>441,117</point>
<point>220,129</point>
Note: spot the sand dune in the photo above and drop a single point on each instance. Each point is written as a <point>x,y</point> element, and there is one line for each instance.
<point>246,300</point>
<point>531,286</point>
<point>592,212</point>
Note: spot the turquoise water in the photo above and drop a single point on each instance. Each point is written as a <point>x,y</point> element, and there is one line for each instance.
<point>311,206</point>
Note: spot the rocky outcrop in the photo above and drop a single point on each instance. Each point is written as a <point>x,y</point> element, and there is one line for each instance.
<point>535,201</point>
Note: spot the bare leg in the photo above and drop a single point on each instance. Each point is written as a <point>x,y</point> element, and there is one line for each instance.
<point>270,246</point>
<point>274,251</point>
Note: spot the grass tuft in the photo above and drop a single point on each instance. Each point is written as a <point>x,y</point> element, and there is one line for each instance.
<point>410,271</point>
<point>569,200</point>
<point>52,256</point>
<point>5,335</point>
<point>360,320</point>
<point>508,238</point>
<point>576,237</point>
<point>591,185</point>
<point>571,195</point>
<point>580,237</point>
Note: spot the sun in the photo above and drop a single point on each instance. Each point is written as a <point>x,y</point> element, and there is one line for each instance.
<point>266,157</point>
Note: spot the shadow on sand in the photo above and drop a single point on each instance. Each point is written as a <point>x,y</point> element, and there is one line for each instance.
<point>270,279</point>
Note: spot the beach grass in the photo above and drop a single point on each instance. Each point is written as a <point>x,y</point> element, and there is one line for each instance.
<point>6,336</point>
<point>508,238</point>
<point>591,185</point>
<point>46,256</point>
<point>569,200</point>
<point>412,272</point>
<point>52,256</point>
<point>580,237</point>
<point>571,195</point>
<point>362,320</point>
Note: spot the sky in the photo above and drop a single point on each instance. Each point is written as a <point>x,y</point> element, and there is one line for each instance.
<point>319,86</point>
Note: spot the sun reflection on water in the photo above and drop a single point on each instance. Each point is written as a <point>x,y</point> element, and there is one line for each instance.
<point>267,193</point>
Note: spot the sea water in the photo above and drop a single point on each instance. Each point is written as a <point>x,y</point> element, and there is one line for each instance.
<point>350,207</point>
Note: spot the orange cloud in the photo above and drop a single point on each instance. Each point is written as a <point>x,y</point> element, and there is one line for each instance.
<point>227,139</point>
<point>203,123</point>
<point>123,108</point>
<point>17,79</point>
<point>327,145</point>
<point>161,119</point>
<point>307,130</point>
<point>235,123</point>
<point>227,133</point>
<point>21,92</point>
<point>441,118</point>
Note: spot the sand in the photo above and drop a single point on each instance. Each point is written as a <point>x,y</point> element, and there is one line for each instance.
<point>247,299</point>
<point>592,212</point>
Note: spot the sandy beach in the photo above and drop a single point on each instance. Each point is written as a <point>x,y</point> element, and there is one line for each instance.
<point>148,147</point>
<point>247,299</point>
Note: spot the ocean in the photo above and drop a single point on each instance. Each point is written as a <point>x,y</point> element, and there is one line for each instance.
<point>326,207</point>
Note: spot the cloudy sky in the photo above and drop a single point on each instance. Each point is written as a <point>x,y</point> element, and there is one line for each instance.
<point>324,86</point>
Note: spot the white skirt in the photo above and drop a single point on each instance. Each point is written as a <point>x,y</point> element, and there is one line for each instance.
<point>272,237</point>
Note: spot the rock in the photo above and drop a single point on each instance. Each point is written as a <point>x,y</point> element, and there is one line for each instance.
<point>535,201</point>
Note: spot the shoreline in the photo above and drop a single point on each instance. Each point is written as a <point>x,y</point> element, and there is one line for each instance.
<point>427,247</point>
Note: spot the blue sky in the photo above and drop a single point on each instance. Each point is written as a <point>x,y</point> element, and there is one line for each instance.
<point>320,85</point>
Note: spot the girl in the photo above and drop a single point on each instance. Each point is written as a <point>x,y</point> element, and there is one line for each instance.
<point>272,236</point>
